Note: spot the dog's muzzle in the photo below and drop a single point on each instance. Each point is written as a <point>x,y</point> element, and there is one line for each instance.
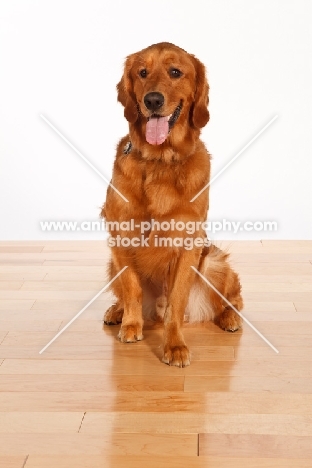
<point>157,126</point>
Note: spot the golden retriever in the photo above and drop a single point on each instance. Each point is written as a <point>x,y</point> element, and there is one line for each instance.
<point>160,166</point>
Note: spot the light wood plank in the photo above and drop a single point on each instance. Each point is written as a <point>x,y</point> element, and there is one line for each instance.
<point>97,444</point>
<point>18,273</point>
<point>268,287</point>
<point>252,445</point>
<point>248,384</point>
<point>277,311</point>
<point>55,297</point>
<point>90,383</point>
<point>301,327</point>
<point>159,402</point>
<point>77,262</point>
<point>46,422</point>
<point>19,262</point>
<point>194,423</point>
<point>273,367</point>
<point>290,278</point>
<point>92,314</point>
<point>70,305</point>
<point>19,249</point>
<point>80,246</point>
<point>13,462</point>
<point>276,296</point>
<point>271,267</point>
<point>54,273</point>
<point>40,256</point>
<point>194,337</point>
<point>10,285</point>
<point>23,304</point>
<point>59,245</point>
<point>274,307</point>
<point>26,325</point>
<point>258,306</point>
<point>287,246</point>
<point>292,354</point>
<point>26,243</point>
<point>268,315</point>
<point>55,286</point>
<point>75,273</point>
<point>305,307</point>
<point>163,462</point>
<point>267,257</point>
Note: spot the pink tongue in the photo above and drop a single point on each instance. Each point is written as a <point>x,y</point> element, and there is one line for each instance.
<point>157,129</point>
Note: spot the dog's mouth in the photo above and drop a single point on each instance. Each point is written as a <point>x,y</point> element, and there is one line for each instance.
<point>158,127</point>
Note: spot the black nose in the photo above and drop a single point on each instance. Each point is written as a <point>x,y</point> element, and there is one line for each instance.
<point>153,101</point>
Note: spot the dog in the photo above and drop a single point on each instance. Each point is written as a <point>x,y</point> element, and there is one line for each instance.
<point>160,167</point>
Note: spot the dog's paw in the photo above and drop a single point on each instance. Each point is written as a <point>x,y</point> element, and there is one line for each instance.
<point>130,333</point>
<point>230,321</point>
<point>177,356</point>
<point>113,315</point>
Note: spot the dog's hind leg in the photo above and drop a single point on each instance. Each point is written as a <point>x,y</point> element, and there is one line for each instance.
<point>226,281</point>
<point>114,314</point>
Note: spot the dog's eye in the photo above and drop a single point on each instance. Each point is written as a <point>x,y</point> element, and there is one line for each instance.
<point>143,73</point>
<point>175,73</point>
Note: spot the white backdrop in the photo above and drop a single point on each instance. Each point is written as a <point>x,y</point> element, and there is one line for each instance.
<point>64,58</point>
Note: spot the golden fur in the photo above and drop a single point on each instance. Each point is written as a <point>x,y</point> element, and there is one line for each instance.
<point>159,180</point>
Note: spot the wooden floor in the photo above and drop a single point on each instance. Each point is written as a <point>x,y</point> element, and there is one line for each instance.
<point>89,401</point>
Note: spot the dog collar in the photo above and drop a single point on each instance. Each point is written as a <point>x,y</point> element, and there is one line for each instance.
<point>127,148</point>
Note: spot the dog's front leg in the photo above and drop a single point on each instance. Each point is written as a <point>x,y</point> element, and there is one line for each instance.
<point>132,320</point>
<point>180,280</point>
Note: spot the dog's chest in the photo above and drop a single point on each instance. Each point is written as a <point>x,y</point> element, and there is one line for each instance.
<point>160,189</point>
<point>163,187</point>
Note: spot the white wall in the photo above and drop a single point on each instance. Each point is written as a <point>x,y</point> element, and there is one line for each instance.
<point>64,58</point>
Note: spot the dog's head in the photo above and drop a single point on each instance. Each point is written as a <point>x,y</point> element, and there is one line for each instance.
<point>164,90</point>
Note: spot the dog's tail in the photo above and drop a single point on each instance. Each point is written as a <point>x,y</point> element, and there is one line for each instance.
<point>204,303</point>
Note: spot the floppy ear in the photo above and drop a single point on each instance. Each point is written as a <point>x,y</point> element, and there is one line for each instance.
<point>126,95</point>
<point>200,114</point>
